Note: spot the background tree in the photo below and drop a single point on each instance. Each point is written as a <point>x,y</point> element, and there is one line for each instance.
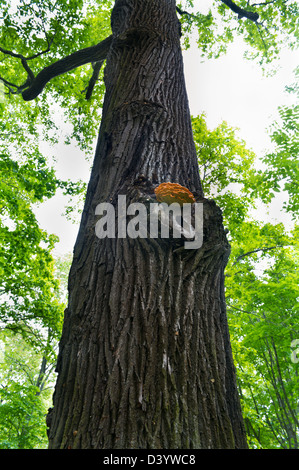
<point>30,307</point>
<point>31,304</point>
<point>159,431</point>
<point>264,322</point>
<point>25,393</point>
<point>262,274</point>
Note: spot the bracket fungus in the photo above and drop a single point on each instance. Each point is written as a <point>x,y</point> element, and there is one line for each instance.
<point>174,192</point>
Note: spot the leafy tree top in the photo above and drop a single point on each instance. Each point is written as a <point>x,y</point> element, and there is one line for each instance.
<point>40,41</point>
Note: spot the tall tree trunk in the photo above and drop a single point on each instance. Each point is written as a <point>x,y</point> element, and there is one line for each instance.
<point>145,358</point>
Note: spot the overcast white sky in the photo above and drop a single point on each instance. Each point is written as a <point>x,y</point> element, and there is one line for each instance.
<point>230,88</point>
<point>236,90</point>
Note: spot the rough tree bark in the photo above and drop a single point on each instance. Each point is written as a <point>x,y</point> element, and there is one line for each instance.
<point>145,358</point>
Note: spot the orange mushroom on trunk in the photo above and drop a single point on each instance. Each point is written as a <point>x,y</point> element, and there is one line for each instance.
<point>174,192</point>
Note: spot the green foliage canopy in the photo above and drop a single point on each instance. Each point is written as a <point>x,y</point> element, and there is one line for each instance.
<point>261,276</point>
<point>27,285</point>
<point>223,21</point>
<point>24,393</point>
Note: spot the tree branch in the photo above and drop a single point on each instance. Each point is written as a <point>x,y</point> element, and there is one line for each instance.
<point>182,12</point>
<point>96,71</point>
<point>12,54</point>
<point>30,74</point>
<point>250,15</point>
<point>256,251</point>
<point>95,53</point>
<point>34,56</point>
<point>266,3</point>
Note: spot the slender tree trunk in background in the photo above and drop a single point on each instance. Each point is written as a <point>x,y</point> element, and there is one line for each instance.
<point>145,358</point>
